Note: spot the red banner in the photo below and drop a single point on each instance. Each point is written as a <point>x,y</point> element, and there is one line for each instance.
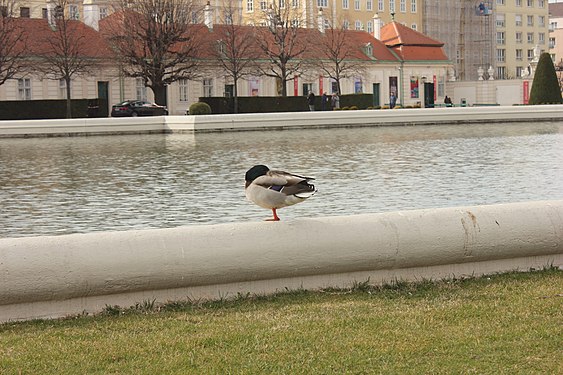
<point>320,85</point>
<point>435,87</point>
<point>525,92</point>
<point>296,85</point>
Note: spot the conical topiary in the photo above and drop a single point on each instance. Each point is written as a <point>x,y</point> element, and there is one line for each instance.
<point>545,88</point>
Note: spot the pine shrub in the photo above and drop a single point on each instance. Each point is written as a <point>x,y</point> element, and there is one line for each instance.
<point>545,87</point>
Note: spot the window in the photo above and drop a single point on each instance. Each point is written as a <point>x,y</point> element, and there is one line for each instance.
<point>392,6</point>
<point>518,3</point>
<point>140,89</point>
<point>250,5</point>
<point>541,3</point>
<point>518,37</point>
<point>369,5</point>
<point>24,12</point>
<point>263,5</point>
<point>519,55</point>
<point>530,20</point>
<point>345,4</point>
<point>322,3</point>
<point>73,12</point>
<point>295,23</point>
<point>541,38</point>
<point>103,12</point>
<point>518,20</point>
<point>357,4</point>
<point>295,3</point>
<point>403,6</point>
<point>24,89</point>
<point>500,20</point>
<point>346,25</point>
<point>282,4</point>
<point>370,27</point>
<point>208,87</point>
<point>530,3</point>
<point>358,25</point>
<point>501,72</point>
<point>501,55</point>
<point>541,21</point>
<point>183,89</point>
<point>380,5</point>
<point>413,6</point>
<point>414,26</point>
<point>500,37</point>
<point>530,37</point>
<point>551,43</point>
<point>530,54</point>
<point>500,2</point>
<point>519,71</point>
<point>62,88</point>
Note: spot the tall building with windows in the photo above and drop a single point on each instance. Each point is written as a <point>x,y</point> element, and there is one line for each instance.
<point>556,34</point>
<point>502,34</point>
<point>350,14</point>
<point>521,30</point>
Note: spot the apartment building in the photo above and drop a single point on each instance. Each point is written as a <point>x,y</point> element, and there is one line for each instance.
<point>521,31</point>
<point>349,14</point>
<point>556,34</point>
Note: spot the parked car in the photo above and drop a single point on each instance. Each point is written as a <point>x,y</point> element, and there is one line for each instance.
<point>135,108</point>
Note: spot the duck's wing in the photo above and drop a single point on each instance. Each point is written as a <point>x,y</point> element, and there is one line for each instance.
<point>294,184</point>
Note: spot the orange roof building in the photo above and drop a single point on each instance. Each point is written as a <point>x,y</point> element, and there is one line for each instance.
<point>395,62</point>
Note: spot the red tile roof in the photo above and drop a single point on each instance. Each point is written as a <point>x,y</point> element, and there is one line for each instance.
<point>38,34</point>
<point>410,45</point>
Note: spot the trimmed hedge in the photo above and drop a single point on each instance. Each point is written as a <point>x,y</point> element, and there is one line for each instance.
<point>265,104</point>
<point>200,108</point>
<point>52,109</point>
<point>545,87</point>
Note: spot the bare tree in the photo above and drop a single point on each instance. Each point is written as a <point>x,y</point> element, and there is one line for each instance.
<point>283,43</point>
<point>67,54</point>
<point>157,41</point>
<point>236,51</point>
<point>338,54</point>
<point>12,42</point>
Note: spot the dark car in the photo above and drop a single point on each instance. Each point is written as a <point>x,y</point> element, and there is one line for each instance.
<point>135,108</point>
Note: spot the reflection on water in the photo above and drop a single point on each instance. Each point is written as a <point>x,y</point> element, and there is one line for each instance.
<point>84,184</point>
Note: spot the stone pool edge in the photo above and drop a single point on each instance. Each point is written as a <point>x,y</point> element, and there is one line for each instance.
<point>278,121</point>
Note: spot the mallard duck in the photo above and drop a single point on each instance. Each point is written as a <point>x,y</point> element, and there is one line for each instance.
<point>276,189</point>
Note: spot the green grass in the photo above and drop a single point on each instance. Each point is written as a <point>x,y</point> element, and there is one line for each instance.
<point>502,324</point>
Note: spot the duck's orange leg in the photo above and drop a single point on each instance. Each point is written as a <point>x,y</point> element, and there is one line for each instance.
<point>275,218</point>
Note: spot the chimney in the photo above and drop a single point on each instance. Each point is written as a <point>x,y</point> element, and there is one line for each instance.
<point>91,14</point>
<point>377,25</point>
<point>321,21</point>
<point>208,16</point>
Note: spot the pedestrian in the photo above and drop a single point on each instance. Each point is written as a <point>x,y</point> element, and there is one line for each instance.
<point>324,102</point>
<point>448,101</point>
<point>392,100</point>
<point>311,101</point>
<point>335,101</point>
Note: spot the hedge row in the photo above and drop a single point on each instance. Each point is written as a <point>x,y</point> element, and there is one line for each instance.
<point>264,104</point>
<point>52,109</point>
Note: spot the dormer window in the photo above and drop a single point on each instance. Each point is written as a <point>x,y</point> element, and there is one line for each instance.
<point>368,50</point>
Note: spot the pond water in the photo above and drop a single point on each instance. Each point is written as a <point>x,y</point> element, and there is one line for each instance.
<point>52,186</point>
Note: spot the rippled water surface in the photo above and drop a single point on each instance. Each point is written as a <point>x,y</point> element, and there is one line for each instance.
<point>83,184</point>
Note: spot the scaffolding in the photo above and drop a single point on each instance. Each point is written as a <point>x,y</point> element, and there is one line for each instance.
<point>466,29</point>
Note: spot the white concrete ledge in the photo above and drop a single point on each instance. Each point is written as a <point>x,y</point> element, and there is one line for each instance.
<point>60,275</point>
<point>274,121</point>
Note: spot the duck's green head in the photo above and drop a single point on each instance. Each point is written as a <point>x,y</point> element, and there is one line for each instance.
<point>255,172</point>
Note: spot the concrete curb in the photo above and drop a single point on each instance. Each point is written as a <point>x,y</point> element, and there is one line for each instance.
<point>60,275</point>
<point>276,121</point>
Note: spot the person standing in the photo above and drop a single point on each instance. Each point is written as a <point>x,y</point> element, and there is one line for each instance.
<point>335,101</point>
<point>324,102</point>
<point>311,101</point>
<point>392,100</point>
